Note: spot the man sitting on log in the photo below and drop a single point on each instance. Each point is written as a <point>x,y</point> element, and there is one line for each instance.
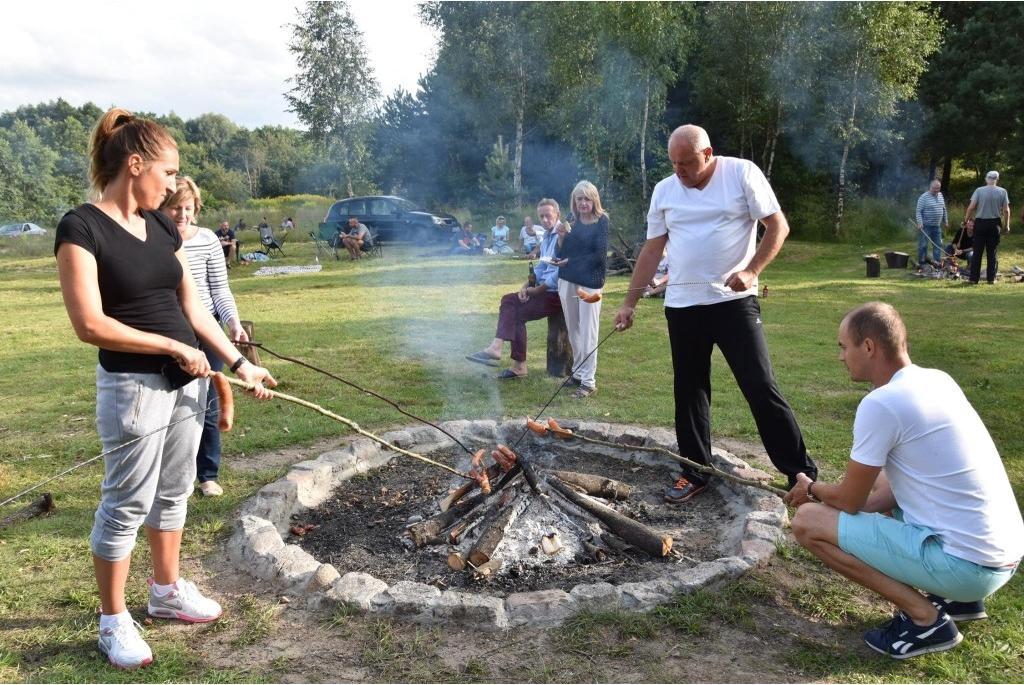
<point>530,303</point>
<point>925,501</point>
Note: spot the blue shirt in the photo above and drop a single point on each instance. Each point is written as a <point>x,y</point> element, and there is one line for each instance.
<point>547,273</point>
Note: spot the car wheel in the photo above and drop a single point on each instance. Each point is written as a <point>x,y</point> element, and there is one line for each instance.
<point>422,235</point>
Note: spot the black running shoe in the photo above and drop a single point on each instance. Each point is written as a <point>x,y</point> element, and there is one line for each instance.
<point>901,638</point>
<point>960,611</point>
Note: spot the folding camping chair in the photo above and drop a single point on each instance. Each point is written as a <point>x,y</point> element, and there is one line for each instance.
<point>270,243</point>
<point>327,239</point>
<point>376,248</point>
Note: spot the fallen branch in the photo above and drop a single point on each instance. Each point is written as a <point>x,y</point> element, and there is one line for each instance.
<point>43,505</point>
<point>353,425</point>
<point>709,470</point>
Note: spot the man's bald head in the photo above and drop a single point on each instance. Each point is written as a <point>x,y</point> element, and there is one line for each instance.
<point>692,136</point>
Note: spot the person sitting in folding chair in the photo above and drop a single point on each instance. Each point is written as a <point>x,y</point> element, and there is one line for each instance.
<point>269,242</point>
<point>357,239</point>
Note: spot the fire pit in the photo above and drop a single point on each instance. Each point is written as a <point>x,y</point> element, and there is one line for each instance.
<point>360,527</point>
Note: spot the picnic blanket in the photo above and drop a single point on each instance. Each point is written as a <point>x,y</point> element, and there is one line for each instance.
<point>278,270</point>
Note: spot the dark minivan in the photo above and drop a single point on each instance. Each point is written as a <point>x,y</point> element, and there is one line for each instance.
<point>393,218</point>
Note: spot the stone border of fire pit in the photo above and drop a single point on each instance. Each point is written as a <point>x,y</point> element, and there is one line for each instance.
<point>258,548</point>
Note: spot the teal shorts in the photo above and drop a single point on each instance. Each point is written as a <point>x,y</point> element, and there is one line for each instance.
<point>914,555</point>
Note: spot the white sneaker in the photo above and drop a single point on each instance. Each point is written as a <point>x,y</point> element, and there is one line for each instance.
<point>124,646</point>
<point>183,602</point>
<point>210,488</point>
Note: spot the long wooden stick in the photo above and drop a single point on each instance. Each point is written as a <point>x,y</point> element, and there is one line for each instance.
<point>710,470</point>
<point>351,424</point>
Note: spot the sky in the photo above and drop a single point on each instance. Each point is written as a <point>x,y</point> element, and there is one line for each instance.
<point>188,57</point>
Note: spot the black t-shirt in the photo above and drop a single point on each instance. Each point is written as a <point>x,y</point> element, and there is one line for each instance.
<point>138,280</point>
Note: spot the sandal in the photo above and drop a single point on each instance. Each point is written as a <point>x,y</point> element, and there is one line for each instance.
<point>582,392</point>
<point>571,382</point>
<point>508,375</point>
<point>482,357</point>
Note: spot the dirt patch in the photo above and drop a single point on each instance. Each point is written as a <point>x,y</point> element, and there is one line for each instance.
<point>307,646</point>
<point>362,526</point>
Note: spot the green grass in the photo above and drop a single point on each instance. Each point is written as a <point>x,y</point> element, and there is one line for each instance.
<point>400,326</point>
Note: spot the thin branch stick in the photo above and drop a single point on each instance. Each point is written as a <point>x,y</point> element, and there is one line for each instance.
<point>353,425</point>
<point>710,470</point>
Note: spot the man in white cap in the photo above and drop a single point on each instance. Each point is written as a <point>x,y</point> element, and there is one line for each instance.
<point>987,216</point>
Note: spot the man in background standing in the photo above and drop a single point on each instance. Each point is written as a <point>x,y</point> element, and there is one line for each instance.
<point>931,218</point>
<point>987,216</point>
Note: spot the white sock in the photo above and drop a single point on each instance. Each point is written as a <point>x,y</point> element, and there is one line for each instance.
<point>110,621</point>
<point>164,589</point>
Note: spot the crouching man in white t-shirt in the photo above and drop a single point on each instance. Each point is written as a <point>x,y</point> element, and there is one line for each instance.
<point>925,503</point>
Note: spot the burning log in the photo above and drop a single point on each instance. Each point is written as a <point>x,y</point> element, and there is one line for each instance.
<point>635,533</point>
<point>427,530</point>
<point>494,530</point>
<point>595,486</point>
<point>456,562</point>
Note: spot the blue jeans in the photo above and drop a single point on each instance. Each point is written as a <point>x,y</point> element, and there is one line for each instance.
<point>208,456</point>
<point>934,233</point>
<point>735,326</point>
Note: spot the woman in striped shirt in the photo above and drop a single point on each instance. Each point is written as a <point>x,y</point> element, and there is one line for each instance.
<point>206,262</point>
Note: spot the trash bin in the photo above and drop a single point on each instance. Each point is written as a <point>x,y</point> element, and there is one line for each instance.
<point>896,260</point>
<point>874,265</point>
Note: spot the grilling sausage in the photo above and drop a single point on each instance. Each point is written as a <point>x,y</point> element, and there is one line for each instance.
<point>588,297</point>
<point>226,400</point>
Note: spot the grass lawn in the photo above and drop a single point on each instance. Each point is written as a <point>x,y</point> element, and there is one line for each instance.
<point>400,326</point>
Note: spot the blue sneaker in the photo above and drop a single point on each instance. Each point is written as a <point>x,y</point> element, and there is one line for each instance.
<point>683,490</point>
<point>901,638</point>
<point>960,611</point>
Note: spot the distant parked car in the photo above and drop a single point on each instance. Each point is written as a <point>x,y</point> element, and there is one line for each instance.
<point>393,218</point>
<point>13,230</point>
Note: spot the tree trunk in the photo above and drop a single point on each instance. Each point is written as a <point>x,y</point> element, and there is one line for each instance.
<point>517,174</point>
<point>643,141</point>
<point>848,135</point>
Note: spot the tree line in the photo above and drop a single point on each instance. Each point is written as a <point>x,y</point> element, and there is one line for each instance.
<point>833,100</point>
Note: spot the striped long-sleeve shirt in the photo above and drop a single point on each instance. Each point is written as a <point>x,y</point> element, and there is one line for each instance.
<point>206,262</point>
<point>931,210</point>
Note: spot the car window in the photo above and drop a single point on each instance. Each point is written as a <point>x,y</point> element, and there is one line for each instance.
<point>380,207</point>
<point>405,205</point>
<point>338,212</point>
<point>355,208</point>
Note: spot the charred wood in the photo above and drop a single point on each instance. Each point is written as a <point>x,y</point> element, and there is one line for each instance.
<point>43,505</point>
<point>595,486</point>
<point>635,533</point>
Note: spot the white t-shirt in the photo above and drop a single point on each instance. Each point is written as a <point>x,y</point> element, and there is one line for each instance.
<point>711,232</point>
<point>943,467</point>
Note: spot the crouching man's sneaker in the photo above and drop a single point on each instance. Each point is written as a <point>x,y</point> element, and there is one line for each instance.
<point>683,490</point>
<point>959,611</point>
<point>122,642</point>
<point>184,602</point>
<point>901,638</point>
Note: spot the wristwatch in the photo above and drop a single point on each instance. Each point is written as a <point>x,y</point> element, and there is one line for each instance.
<point>810,495</point>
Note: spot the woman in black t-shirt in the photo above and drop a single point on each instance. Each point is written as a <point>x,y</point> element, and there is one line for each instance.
<point>127,290</point>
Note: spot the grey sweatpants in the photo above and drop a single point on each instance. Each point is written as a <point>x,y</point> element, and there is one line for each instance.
<point>148,481</point>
